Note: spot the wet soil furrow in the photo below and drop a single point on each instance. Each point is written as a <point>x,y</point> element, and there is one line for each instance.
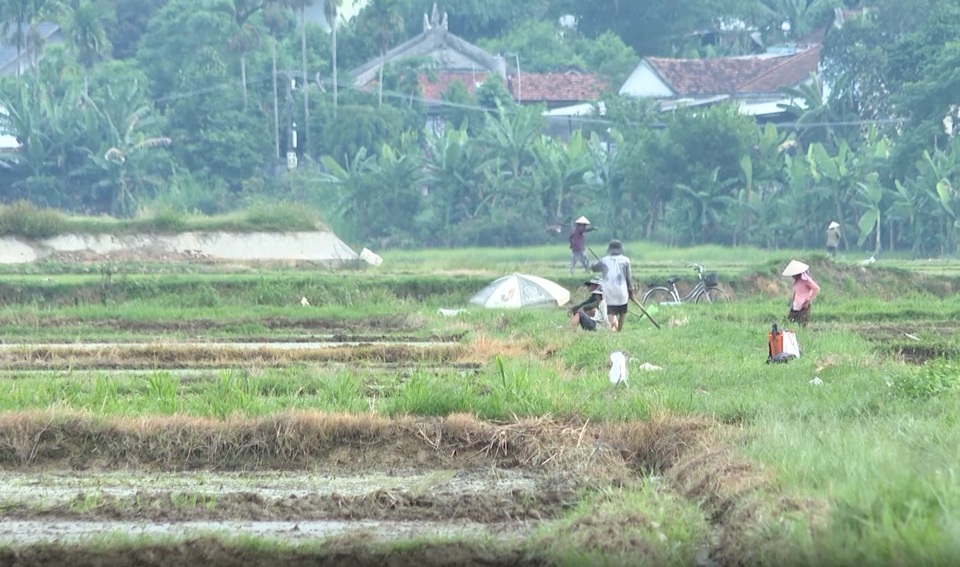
<point>381,504</point>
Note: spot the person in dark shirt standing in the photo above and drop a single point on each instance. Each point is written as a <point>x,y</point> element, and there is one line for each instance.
<point>578,244</point>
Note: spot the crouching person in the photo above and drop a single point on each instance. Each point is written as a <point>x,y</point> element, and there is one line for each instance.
<point>592,313</point>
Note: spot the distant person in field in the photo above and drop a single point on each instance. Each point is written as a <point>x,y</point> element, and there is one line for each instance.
<point>578,244</point>
<point>617,283</point>
<point>805,290</point>
<point>833,238</point>
<point>592,313</point>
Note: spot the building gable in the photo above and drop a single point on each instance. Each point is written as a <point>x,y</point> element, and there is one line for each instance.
<point>451,53</point>
<point>645,82</point>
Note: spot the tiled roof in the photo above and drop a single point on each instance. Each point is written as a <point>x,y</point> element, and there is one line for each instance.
<point>735,75</point>
<point>556,87</point>
<point>533,87</point>
<point>434,87</point>
<point>791,71</point>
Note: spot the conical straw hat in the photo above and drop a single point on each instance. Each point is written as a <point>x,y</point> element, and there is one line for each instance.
<point>582,220</point>
<point>834,224</point>
<point>795,268</point>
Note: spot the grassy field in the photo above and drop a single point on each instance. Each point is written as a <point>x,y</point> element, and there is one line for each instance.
<point>846,456</point>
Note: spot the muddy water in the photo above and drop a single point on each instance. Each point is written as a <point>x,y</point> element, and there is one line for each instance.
<point>46,505</point>
<point>20,533</point>
<point>60,487</point>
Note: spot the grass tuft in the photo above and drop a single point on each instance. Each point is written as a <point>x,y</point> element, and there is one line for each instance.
<point>24,219</point>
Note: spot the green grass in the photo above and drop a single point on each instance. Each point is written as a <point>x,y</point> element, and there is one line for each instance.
<point>876,442</point>
<point>23,219</point>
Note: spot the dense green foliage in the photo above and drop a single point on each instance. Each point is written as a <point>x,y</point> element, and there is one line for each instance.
<point>191,106</point>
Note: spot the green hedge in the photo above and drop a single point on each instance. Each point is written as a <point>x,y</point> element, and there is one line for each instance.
<point>25,220</point>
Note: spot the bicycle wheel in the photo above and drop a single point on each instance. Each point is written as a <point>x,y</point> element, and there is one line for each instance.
<point>656,296</point>
<point>713,295</point>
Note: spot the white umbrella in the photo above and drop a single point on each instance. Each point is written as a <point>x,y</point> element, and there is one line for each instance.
<point>520,290</point>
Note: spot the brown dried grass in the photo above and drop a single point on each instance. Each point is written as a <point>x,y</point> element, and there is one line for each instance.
<point>296,440</point>
<point>200,356</point>
<point>484,348</point>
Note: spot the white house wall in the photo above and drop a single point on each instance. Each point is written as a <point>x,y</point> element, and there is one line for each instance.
<point>645,83</point>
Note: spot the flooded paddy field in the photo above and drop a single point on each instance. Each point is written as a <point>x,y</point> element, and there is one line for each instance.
<point>143,434</point>
<point>71,484</point>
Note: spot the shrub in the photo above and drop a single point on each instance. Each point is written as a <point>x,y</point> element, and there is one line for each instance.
<point>23,219</point>
<point>933,379</point>
<point>166,220</point>
<point>281,217</point>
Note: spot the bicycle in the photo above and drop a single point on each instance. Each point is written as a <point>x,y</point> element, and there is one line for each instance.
<point>707,290</point>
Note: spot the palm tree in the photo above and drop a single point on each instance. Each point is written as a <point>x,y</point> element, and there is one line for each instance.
<point>38,11</point>
<point>275,18</point>
<point>386,21</point>
<point>86,35</point>
<point>301,5</point>
<point>802,15</point>
<point>14,14</point>
<point>245,37</point>
<point>331,9</point>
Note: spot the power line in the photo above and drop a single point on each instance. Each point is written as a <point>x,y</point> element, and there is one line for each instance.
<point>407,97</point>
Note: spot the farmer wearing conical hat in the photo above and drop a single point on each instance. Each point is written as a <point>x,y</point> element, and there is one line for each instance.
<point>833,238</point>
<point>578,244</point>
<point>805,290</point>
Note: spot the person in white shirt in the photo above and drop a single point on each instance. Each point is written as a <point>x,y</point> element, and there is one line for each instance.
<point>617,283</point>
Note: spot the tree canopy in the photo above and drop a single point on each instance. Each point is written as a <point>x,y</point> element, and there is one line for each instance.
<point>195,104</point>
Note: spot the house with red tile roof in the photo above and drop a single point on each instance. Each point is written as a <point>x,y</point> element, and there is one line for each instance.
<point>558,89</point>
<point>755,82</point>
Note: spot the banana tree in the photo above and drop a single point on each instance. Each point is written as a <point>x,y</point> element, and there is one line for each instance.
<point>870,194</point>
<point>54,131</point>
<point>604,176</point>
<point>343,188</point>
<point>939,173</point>
<point>128,169</point>
<point>559,174</point>
<point>844,175</point>
<point>870,191</point>
<point>909,207</point>
<point>394,206</point>
<point>376,196</point>
<point>508,139</point>
<point>708,202</point>
<point>452,176</point>
<point>761,174</point>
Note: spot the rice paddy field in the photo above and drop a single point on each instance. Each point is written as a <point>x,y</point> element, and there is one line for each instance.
<point>209,414</point>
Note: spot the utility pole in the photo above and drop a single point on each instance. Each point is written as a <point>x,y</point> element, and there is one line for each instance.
<point>291,128</point>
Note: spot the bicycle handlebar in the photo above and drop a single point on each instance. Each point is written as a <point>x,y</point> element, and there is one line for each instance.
<point>697,267</point>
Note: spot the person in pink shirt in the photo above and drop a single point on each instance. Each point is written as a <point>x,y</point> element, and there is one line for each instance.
<point>805,290</point>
